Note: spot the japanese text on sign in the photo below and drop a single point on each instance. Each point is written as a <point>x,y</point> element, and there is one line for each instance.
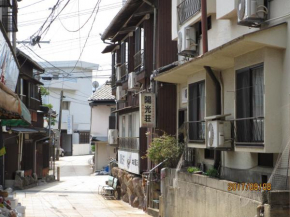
<point>147,110</point>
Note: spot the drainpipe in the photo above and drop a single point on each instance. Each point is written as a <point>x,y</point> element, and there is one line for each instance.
<point>204,26</point>
<point>34,155</point>
<point>217,154</point>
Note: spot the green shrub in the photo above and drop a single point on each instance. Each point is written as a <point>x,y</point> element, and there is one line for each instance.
<point>192,169</point>
<point>93,148</point>
<point>165,147</point>
<point>212,173</point>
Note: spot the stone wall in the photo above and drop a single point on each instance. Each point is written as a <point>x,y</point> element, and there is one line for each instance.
<point>193,195</point>
<point>132,191</point>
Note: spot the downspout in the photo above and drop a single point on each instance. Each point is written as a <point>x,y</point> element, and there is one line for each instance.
<point>217,154</point>
<point>34,155</point>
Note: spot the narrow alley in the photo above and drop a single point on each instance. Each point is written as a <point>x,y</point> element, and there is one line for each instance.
<point>75,195</point>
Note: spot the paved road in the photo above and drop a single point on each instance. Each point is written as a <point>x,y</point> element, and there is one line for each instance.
<point>75,194</point>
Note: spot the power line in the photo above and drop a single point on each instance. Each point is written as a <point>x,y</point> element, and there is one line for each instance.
<point>31,4</point>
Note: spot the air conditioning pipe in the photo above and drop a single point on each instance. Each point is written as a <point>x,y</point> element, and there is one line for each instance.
<point>217,154</point>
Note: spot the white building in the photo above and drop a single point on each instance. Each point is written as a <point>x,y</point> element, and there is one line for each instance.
<point>102,105</point>
<point>75,80</point>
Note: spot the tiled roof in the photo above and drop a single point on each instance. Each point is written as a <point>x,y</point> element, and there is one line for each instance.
<point>103,93</point>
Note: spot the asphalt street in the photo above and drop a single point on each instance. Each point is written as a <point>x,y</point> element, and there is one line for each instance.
<point>76,194</point>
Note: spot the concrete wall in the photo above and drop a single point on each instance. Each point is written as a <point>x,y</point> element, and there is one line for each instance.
<point>100,120</point>
<point>81,149</point>
<point>103,153</point>
<point>190,195</point>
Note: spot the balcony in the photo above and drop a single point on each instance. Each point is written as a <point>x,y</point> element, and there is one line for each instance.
<point>188,9</point>
<point>31,103</point>
<point>249,131</point>
<point>196,131</point>
<point>129,143</point>
<point>139,59</point>
<point>124,71</point>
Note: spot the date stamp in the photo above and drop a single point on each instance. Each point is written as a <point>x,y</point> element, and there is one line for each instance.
<point>249,187</point>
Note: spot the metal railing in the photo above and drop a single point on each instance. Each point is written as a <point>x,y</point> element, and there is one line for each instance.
<point>196,131</point>
<point>129,143</point>
<point>139,59</point>
<point>124,71</point>
<point>249,131</point>
<point>187,9</point>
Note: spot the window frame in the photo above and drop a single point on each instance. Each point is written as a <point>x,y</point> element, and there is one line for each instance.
<point>257,120</point>
<point>194,119</point>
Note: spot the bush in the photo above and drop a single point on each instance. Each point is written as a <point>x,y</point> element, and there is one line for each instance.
<point>165,147</point>
<point>212,173</point>
<point>93,147</point>
<point>192,169</point>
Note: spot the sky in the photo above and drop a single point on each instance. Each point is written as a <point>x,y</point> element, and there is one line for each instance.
<point>65,44</point>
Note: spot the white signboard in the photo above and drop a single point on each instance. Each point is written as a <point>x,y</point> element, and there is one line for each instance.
<point>147,104</point>
<point>9,71</point>
<point>69,124</point>
<point>129,161</point>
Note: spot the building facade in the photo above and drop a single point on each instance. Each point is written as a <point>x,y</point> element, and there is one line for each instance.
<point>77,88</point>
<point>102,104</point>
<point>233,94</point>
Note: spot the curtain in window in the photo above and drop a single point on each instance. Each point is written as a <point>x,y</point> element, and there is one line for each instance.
<point>258,103</point>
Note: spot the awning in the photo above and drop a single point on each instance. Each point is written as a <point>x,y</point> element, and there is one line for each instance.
<point>99,139</point>
<point>222,57</point>
<point>12,111</point>
<point>127,109</point>
<point>110,48</point>
<point>27,130</point>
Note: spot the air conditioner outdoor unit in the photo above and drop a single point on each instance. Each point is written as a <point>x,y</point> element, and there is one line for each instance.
<point>120,94</point>
<point>112,137</point>
<point>187,45</point>
<point>132,82</point>
<point>251,12</point>
<point>218,134</point>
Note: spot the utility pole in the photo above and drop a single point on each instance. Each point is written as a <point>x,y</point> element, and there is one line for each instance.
<point>59,124</point>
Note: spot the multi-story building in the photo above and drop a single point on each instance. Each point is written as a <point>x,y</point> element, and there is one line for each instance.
<point>232,88</point>
<point>140,44</point>
<point>74,79</point>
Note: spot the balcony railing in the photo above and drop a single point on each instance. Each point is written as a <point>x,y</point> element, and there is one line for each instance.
<point>196,131</point>
<point>113,80</point>
<point>139,59</point>
<point>129,143</point>
<point>249,131</point>
<point>124,71</point>
<point>187,9</point>
<point>31,103</point>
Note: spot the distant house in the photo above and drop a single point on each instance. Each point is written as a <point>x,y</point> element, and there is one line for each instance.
<point>102,104</point>
<point>75,80</point>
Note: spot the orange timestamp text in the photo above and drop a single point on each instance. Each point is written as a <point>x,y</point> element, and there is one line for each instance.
<point>249,187</point>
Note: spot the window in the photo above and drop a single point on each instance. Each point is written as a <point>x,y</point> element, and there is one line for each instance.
<point>139,49</point>
<point>209,154</point>
<point>196,109</point>
<point>84,137</point>
<point>265,160</point>
<point>250,105</point>
<point>34,91</point>
<point>65,105</point>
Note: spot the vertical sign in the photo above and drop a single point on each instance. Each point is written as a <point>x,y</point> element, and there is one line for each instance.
<point>147,110</point>
<point>69,124</point>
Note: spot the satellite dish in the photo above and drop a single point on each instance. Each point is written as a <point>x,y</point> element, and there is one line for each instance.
<point>95,84</point>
